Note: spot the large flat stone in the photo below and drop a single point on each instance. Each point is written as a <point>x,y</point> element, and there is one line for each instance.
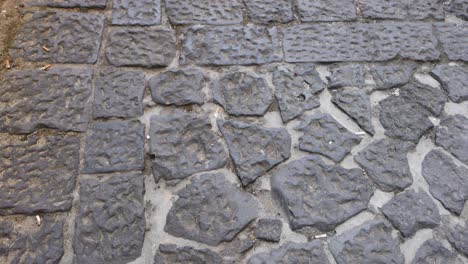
<point>267,11</point>
<point>402,9</point>
<point>432,99</point>
<point>68,3</point>
<point>326,10</point>
<point>392,75</point>
<point>219,12</point>
<point>172,254</point>
<point>432,251</point>
<point>454,80</point>
<point>136,12</point>
<point>453,38</point>
<point>310,252</point>
<point>452,135</point>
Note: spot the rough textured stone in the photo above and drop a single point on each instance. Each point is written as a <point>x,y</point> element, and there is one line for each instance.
<point>230,45</point>
<point>242,93</point>
<point>69,3</point>
<point>390,76</point>
<point>453,38</point>
<point>69,37</point>
<point>328,10</point>
<point>195,215</point>
<point>146,47</point>
<point>118,93</point>
<point>58,98</point>
<point>319,195</point>
<point>136,12</point>
<point>433,252</point>
<point>350,42</point>
<point>172,254</point>
<point>458,238</point>
<point>311,253</point>
<point>110,225</point>
<point>452,135</point>
<point>402,9</point>
<point>267,11</point>
<point>458,8</point>
<point>219,12</point>
<point>114,146</point>
<point>322,134</point>
<point>447,181</point>
<point>385,162</point>
<point>372,242</point>
<point>433,99</point>
<point>255,149</point>
<point>454,80</point>
<point>184,144</point>
<point>269,229</point>
<point>347,75</point>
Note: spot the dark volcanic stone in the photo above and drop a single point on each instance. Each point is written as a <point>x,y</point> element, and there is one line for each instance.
<point>454,80</point>
<point>255,149</point>
<point>322,134</point>
<point>118,93</point>
<point>389,76</point>
<point>447,181</point>
<point>269,229</point>
<point>310,253</point>
<point>433,99</point>
<point>37,173</point>
<point>178,87</point>
<point>146,47</point>
<point>452,135</point>
<point>267,11</point>
<point>69,3</point>
<point>114,146</point>
<point>347,75</point>
<point>70,37</point>
<point>230,45</point>
<point>319,195</point>
<point>433,252</point>
<point>197,216</point>
<point>385,162</point>
<point>172,254</point>
<point>458,8</point>
<point>402,9</point>
<point>242,93</point>
<point>327,10</point>
<point>58,98</point>
<point>458,237</point>
<point>372,242</point>
<point>184,144</point>
<point>453,38</point>
<point>136,12</point>
<point>110,225</point>
<point>204,12</point>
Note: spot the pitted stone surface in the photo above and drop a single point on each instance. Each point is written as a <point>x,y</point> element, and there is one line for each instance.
<point>255,149</point>
<point>195,215</point>
<point>110,224</point>
<point>458,238</point>
<point>402,9</point>
<point>328,10</point>
<point>458,8</point>
<point>393,75</point>
<point>242,93</point>
<point>433,99</point>
<point>136,12</point>
<point>432,251</point>
<point>218,12</point>
<point>267,11</point>
<point>58,98</point>
<point>453,38</point>
<point>114,146</point>
<point>452,135</point>
<point>347,75</point>
<point>69,3</point>
<point>311,253</point>
<point>322,134</point>
<point>454,79</point>
<point>146,47</point>
<point>172,254</point>
<point>269,229</point>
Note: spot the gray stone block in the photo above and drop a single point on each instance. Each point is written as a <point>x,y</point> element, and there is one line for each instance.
<point>267,11</point>
<point>136,12</point>
<point>458,238</point>
<point>458,8</point>
<point>433,99</point>
<point>402,9</point>
<point>326,10</point>
<point>453,39</point>
<point>68,3</point>
<point>219,12</point>
<point>432,251</point>
<point>172,254</point>
<point>347,75</point>
<point>392,75</point>
<point>269,229</point>
<point>310,252</point>
<point>454,80</point>
<point>452,135</point>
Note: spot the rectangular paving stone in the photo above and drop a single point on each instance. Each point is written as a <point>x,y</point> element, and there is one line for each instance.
<point>69,3</point>
<point>402,9</point>
<point>136,12</point>
<point>267,11</point>
<point>454,40</point>
<point>69,37</point>
<point>213,12</point>
<point>230,45</point>
<point>57,98</point>
<point>326,10</point>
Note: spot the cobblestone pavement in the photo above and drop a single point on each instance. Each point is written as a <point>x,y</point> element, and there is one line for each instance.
<point>229,131</point>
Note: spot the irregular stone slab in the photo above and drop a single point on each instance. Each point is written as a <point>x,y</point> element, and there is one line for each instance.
<point>184,144</point>
<point>390,76</point>
<point>69,3</point>
<point>458,8</point>
<point>311,252</point>
<point>454,80</point>
<point>114,146</point>
<point>255,149</point>
<point>347,75</point>
<point>146,47</point>
<point>136,12</point>
<point>37,173</point>
<point>69,37</point>
<point>221,12</point>
<point>385,162</point>
<point>322,134</point>
<point>433,99</point>
<point>266,11</point>
<point>57,98</point>
<point>350,42</point>
<point>447,181</point>
<point>372,242</point>
<point>355,102</point>
<point>178,87</point>
<point>318,195</point>
<point>269,229</point>
<point>110,225</point>
<point>453,38</point>
<point>296,89</point>
<point>118,93</point>
<point>230,45</point>
<point>172,254</point>
<point>452,135</point>
<point>195,215</point>
<point>458,238</point>
<point>432,251</point>
<point>328,10</point>
<point>242,93</point>
<point>402,9</point>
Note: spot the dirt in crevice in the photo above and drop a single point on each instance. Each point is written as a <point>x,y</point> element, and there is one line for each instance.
<point>10,21</point>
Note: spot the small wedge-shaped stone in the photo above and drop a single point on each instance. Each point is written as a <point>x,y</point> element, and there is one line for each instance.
<point>458,238</point>
<point>458,8</point>
<point>454,80</point>
<point>210,210</point>
<point>136,12</point>
<point>433,99</point>
<point>322,134</point>
<point>452,135</point>
<point>347,75</point>
<point>269,229</point>
<point>310,253</point>
<point>453,38</point>
<point>318,195</point>
<point>255,149</point>
<point>172,254</point>
<point>326,10</point>
<point>433,252</point>
<point>390,76</point>
<point>267,11</point>
<point>218,12</point>
<point>69,3</point>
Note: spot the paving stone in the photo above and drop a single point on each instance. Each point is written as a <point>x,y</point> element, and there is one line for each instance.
<point>447,181</point>
<point>411,211</point>
<point>453,39</point>
<point>110,224</point>
<point>195,215</point>
<point>146,47</point>
<point>114,146</point>
<point>452,135</point>
<point>242,93</point>
<point>347,75</point>
<point>454,80</point>
<point>433,99</point>
<point>392,75</point>
<point>69,3</point>
<point>296,90</point>
<point>350,42</point>
<point>255,149</point>
<point>118,93</point>
<point>318,195</point>
<point>69,37</point>
<point>355,102</point>
<point>219,12</point>
<point>372,242</point>
<point>136,12</point>
<point>57,98</point>
<point>458,8</point>
<point>432,251</point>
<point>385,162</point>
<point>184,144</point>
<point>322,134</point>
<point>310,252</point>
<point>266,11</point>
<point>269,229</point>
<point>402,9</point>
<point>172,254</point>
<point>178,87</point>
<point>328,10</point>
<point>230,45</point>
<point>458,238</point>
